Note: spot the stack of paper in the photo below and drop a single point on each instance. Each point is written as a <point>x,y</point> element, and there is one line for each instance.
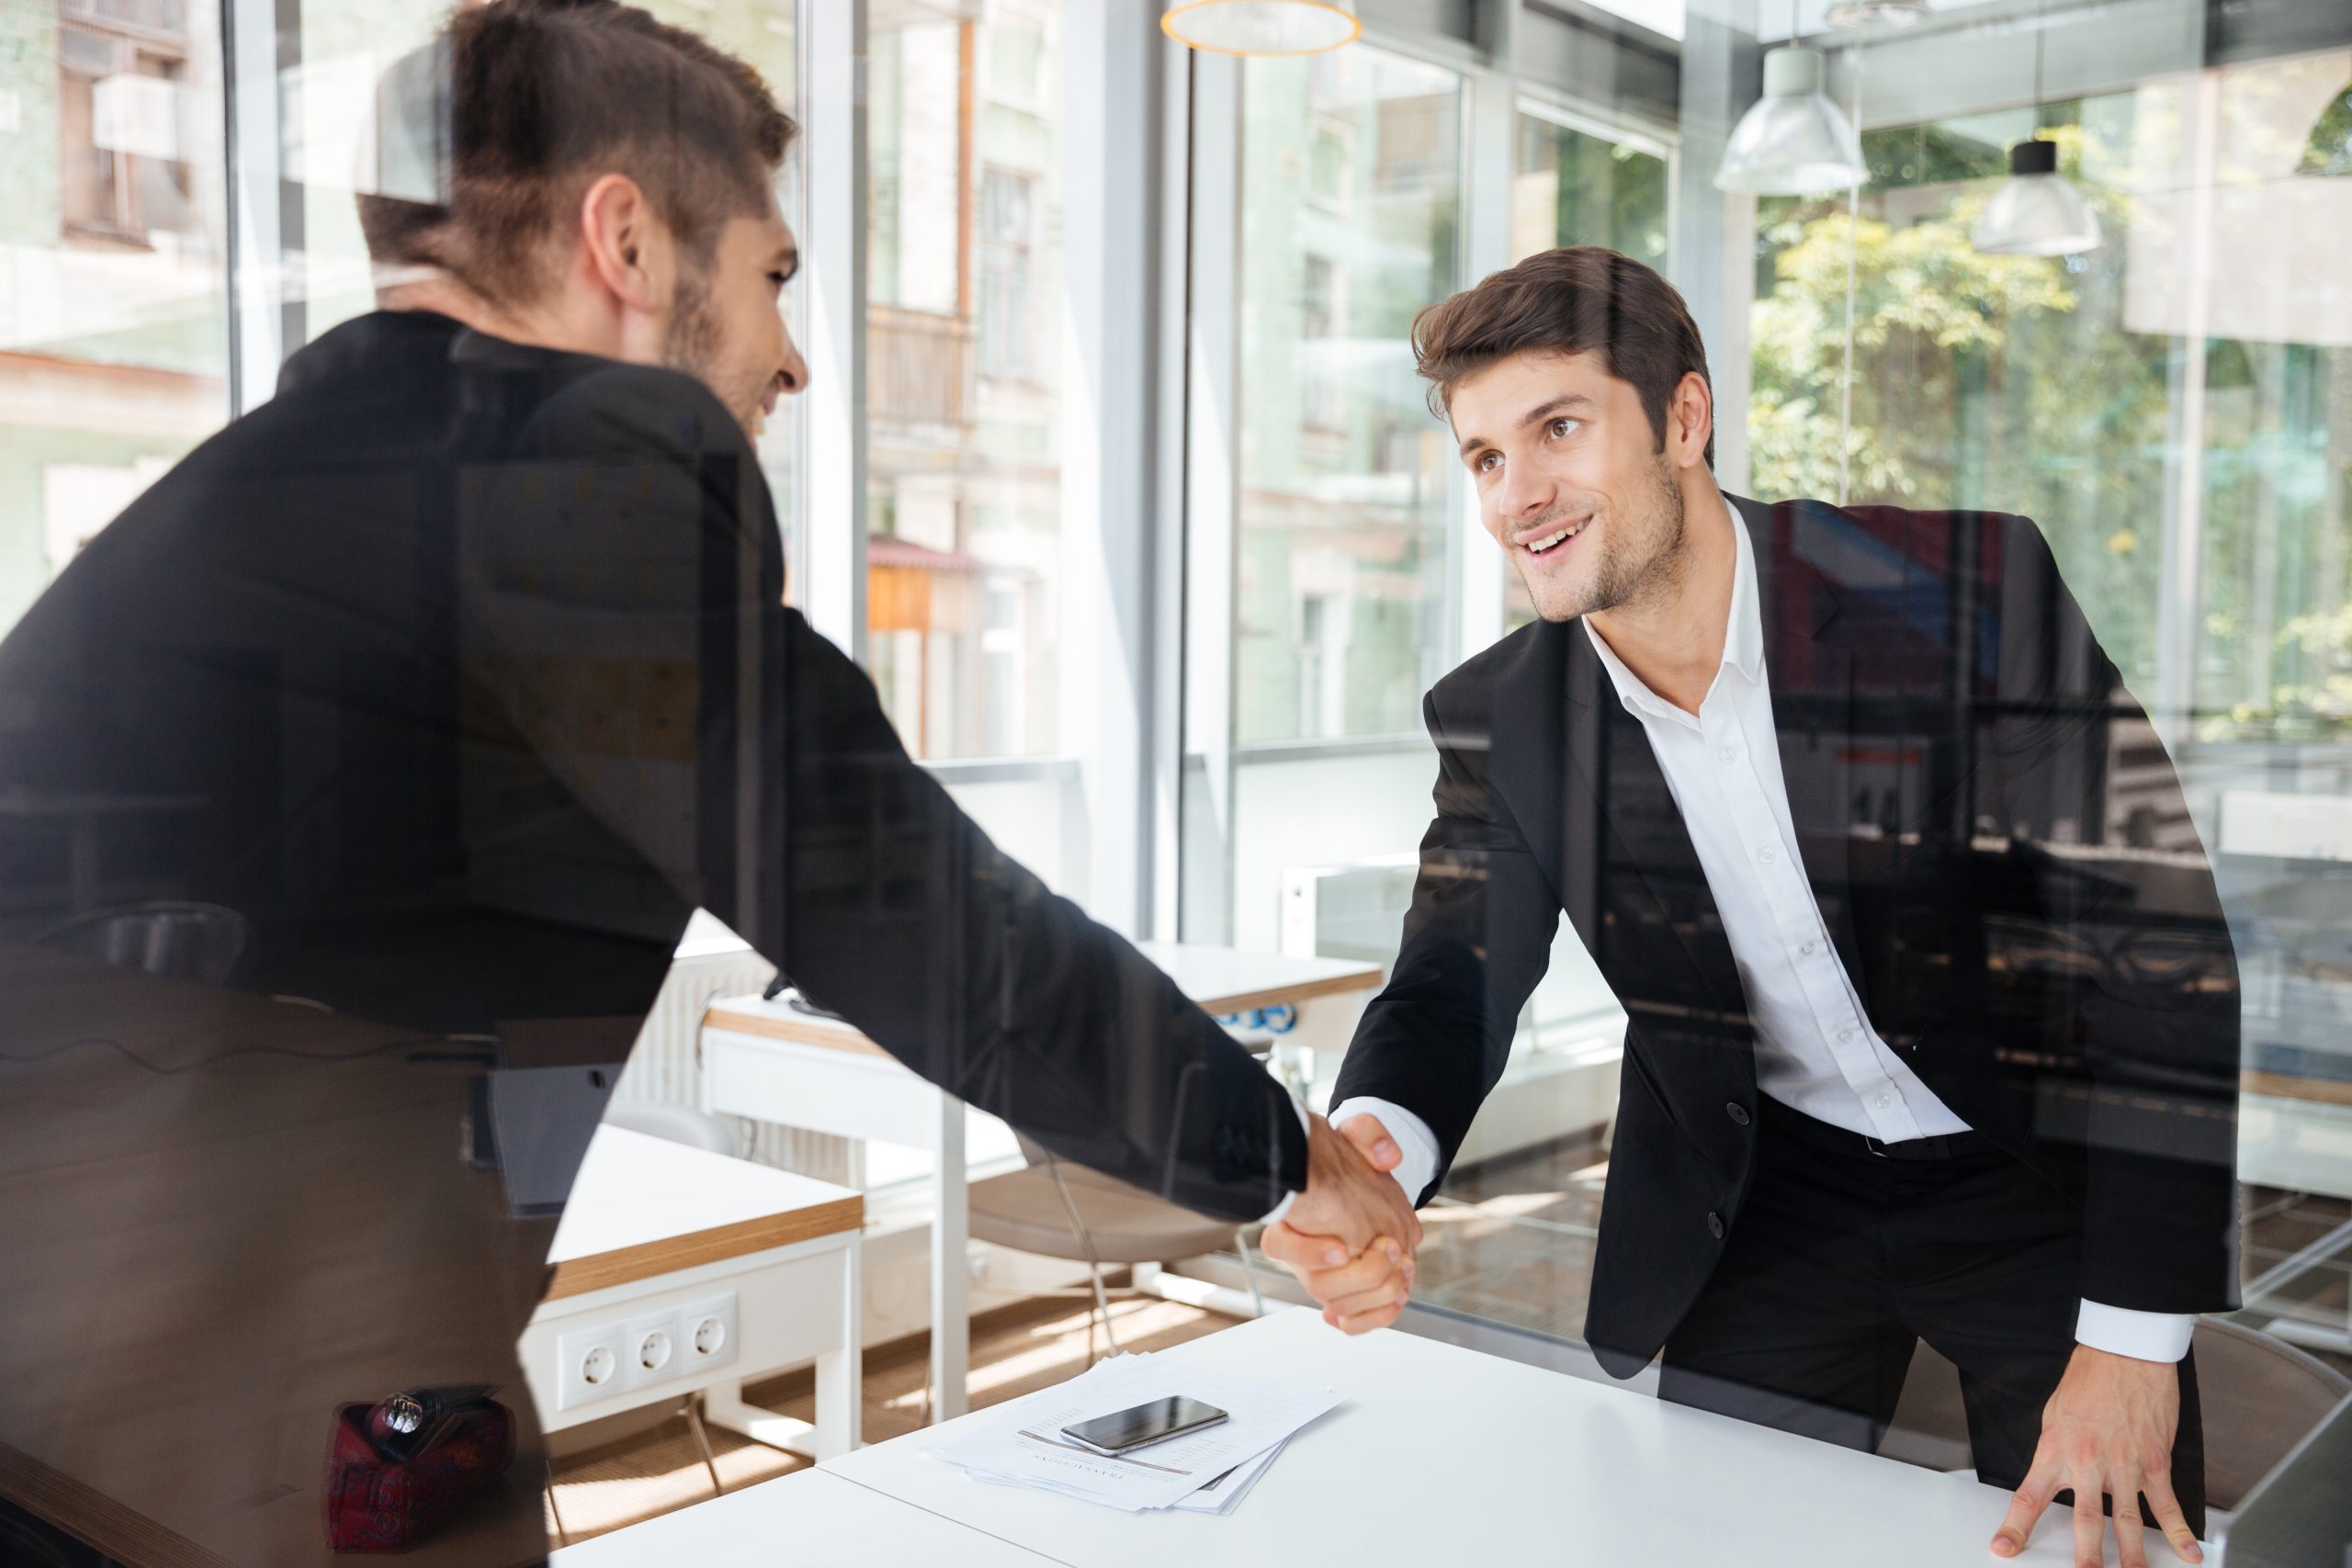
<point>1207,1472</point>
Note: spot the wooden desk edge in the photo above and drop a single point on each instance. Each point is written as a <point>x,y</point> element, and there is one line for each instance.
<point>2282,1085</point>
<point>833,1037</point>
<point>97,1520</point>
<point>626,1265</point>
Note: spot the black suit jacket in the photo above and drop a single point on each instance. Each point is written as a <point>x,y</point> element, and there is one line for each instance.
<point>467,667</point>
<point>1997,842</point>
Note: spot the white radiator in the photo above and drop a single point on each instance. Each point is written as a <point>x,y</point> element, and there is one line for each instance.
<point>666,1062</point>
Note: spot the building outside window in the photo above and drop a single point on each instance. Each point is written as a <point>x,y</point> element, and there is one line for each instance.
<point>113,301</point>
<point>1350,216</point>
<point>962,375</point>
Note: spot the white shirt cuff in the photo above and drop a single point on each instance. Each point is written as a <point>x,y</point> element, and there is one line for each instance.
<point>1412,1135</point>
<point>1275,1213</point>
<point>2143,1335</point>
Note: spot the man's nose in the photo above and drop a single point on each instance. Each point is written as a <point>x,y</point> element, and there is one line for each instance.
<point>1524,495</point>
<point>794,371</point>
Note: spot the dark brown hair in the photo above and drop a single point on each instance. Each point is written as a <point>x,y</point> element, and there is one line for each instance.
<point>1578,300</point>
<point>488,134</point>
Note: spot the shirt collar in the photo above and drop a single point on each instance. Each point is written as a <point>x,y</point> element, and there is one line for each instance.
<point>1743,631</point>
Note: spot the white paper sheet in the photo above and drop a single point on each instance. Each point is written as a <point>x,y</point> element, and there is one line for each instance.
<point>1026,1446</point>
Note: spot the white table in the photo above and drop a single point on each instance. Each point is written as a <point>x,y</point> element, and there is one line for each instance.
<point>806,1519</point>
<point>765,1060</point>
<point>1444,1456</point>
<point>655,1234</point>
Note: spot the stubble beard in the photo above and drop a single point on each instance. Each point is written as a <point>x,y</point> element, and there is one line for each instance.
<point>690,340</point>
<point>1655,527</point>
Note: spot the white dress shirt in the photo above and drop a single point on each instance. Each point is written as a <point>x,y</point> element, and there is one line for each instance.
<point>1815,1050</point>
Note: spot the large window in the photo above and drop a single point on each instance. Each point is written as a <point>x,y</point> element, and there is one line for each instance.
<point>963,371</point>
<point>1350,223</point>
<point>113,306</point>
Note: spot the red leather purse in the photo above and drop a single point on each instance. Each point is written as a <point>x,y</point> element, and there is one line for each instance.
<point>399,1468</point>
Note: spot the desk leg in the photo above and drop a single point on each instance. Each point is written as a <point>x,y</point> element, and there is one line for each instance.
<point>950,1320</point>
<point>838,1369</point>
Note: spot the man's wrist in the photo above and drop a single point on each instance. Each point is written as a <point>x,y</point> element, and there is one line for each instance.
<point>1306,1125</point>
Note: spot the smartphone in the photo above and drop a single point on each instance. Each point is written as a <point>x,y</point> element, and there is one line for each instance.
<point>1154,1421</point>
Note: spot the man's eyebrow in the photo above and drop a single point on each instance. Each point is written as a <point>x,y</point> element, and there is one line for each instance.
<point>1470,444</point>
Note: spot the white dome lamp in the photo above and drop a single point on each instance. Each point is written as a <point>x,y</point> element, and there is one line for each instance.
<point>1260,28</point>
<point>2038,212</point>
<point>1792,141</point>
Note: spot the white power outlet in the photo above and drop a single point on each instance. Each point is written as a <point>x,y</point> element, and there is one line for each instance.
<point>649,1350</point>
<point>589,1366</point>
<point>706,1333</point>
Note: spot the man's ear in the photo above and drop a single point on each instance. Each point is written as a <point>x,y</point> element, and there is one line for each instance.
<point>626,246</point>
<point>1691,418</point>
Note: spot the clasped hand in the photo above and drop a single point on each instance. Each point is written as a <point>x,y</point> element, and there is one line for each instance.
<point>1349,1238</point>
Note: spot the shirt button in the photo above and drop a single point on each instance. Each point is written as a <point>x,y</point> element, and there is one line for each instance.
<point>1736,1111</point>
<point>1715,1226</point>
<point>1883,1100</point>
<point>1728,755</point>
<point>1806,950</point>
<point>1845,1037</point>
<point>1767,856</point>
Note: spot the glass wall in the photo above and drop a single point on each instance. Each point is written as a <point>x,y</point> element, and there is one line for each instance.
<point>963,345</point>
<point>1350,222</point>
<point>2173,408</point>
<point>113,326</point>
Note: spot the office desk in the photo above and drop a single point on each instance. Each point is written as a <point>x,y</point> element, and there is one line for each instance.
<point>654,1228</point>
<point>764,1060</point>
<point>199,1263</point>
<point>1443,1456</point>
<point>806,1519</point>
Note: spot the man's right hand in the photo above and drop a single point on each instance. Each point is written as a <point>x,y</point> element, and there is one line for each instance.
<point>1351,1236</point>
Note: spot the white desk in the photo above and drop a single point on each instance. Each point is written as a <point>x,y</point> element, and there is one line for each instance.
<point>764,1060</point>
<point>806,1519</point>
<point>654,1234</point>
<point>1444,1456</point>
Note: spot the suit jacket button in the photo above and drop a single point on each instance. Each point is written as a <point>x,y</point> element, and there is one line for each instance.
<point>1715,1226</point>
<point>1736,1111</point>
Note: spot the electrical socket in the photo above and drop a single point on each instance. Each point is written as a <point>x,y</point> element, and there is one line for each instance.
<point>589,1366</point>
<point>706,1333</point>
<point>649,1349</point>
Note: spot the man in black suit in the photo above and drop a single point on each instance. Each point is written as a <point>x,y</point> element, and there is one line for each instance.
<point>1932,1015</point>
<point>466,663</point>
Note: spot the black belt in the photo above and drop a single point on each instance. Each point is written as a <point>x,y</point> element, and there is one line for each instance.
<point>1791,1122</point>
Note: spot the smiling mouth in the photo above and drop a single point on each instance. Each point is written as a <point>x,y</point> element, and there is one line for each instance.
<point>1550,542</point>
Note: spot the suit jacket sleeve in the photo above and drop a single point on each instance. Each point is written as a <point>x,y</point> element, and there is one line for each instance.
<point>769,787</point>
<point>1477,940</point>
<point>2152,1029</point>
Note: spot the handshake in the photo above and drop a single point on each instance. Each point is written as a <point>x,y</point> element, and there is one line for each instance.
<point>1350,1235</point>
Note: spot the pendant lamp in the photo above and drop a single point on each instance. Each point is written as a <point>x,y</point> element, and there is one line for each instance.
<point>1260,26</point>
<point>2038,212</point>
<point>1792,141</point>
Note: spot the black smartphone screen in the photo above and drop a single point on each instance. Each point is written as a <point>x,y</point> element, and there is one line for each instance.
<point>1147,1423</point>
